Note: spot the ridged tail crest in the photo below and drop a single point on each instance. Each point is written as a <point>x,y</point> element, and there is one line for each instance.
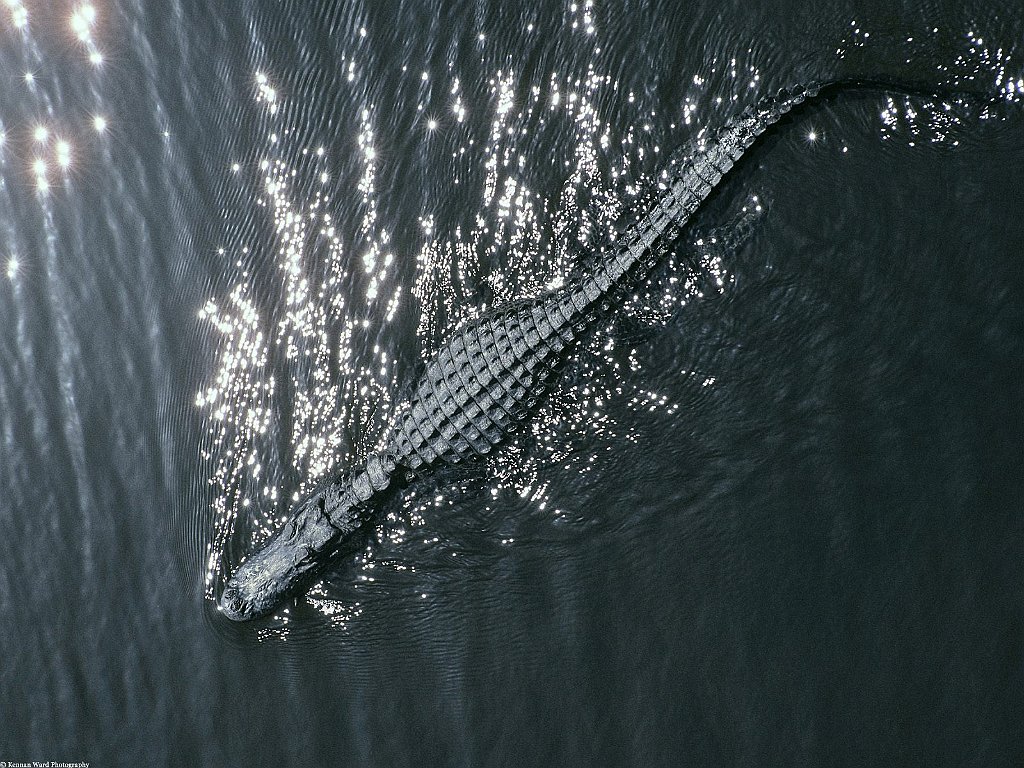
<point>693,179</point>
<point>688,186</point>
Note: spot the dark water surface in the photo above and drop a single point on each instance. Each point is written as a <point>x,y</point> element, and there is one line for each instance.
<point>772,516</point>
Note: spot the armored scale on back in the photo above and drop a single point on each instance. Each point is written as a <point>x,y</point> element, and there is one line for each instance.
<point>488,378</point>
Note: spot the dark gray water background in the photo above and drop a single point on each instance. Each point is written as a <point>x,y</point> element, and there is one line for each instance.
<point>809,552</point>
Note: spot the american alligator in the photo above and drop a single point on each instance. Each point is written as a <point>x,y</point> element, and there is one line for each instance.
<point>488,378</point>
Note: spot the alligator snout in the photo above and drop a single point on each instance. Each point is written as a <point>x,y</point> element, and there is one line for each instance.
<point>264,580</point>
<point>292,556</point>
<point>234,605</point>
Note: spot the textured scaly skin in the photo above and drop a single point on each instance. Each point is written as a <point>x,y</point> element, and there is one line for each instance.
<point>488,378</point>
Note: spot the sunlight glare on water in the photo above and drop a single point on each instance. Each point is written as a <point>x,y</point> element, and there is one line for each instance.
<point>341,395</point>
<point>769,513</point>
<point>333,390</point>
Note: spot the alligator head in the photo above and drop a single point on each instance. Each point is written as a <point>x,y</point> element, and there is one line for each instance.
<point>292,557</point>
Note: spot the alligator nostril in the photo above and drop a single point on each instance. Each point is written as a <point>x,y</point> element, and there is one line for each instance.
<point>231,603</point>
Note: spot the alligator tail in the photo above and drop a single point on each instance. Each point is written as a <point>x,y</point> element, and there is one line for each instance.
<point>688,186</point>
<point>693,180</point>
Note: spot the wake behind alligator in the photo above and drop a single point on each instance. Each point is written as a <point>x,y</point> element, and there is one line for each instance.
<point>489,377</point>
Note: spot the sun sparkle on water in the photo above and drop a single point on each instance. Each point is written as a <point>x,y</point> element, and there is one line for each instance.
<point>332,291</point>
<point>19,14</point>
<point>63,154</point>
<point>241,399</point>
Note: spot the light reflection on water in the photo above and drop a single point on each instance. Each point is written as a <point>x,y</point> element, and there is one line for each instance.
<point>331,386</point>
<point>812,466</point>
<point>329,293</point>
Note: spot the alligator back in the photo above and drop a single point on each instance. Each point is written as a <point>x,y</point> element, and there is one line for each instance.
<point>483,382</point>
<point>489,376</point>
